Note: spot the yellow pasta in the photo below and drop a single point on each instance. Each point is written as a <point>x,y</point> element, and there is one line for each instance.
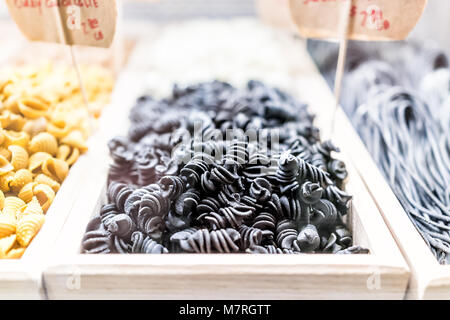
<point>33,207</point>
<point>58,128</point>
<point>2,200</point>
<point>6,244</point>
<point>27,227</point>
<point>21,178</point>
<point>4,152</point>
<point>16,138</point>
<point>32,108</point>
<point>44,125</point>
<point>36,160</point>
<point>5,166</point>
<point>12,205</point>
<point>55,169</point>
<point>44,194</point>
<point>5,180</point>
<point>68,154</point>
<point>33,127</point>
<point>19,157</point>
<point>7,225</point>
<point>75,139</point>
<point>27,192</point>
<point>12,121</point>
<point>15,253</point>
<point>43,179</point>
<point>44,142</point>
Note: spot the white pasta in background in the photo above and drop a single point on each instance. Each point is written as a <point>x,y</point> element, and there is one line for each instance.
<point>200,50</point>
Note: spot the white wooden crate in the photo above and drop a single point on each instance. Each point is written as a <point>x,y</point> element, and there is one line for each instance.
<point>382,274</point>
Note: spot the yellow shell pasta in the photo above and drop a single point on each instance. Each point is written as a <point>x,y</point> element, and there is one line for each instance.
<point>44,142</point>
<point>16,138</point>
<point>58,128</point>
<point>75,139</point>
<point>33,207</point>
<point>6,244</point>
<point>7,225</point>
<point>36,160</point>
<point>4,152</point>
<point>45,195</point>
<point>32,108</point>
<point>15,253</point>
<point>19,157</point>
<point>2,200</point>
<point>68,154</point>
<point>12,205</point>
<point>21,178</point>
<point>5,166</point>
<point>55,169</point>
<point>43,130</point>
<point>27,228</point>
<point>43,179</point>
<point>33,127</point>
<point>12,121</point>
<point>27,192</point>
<point>5,180</point>
<point>2,135</point>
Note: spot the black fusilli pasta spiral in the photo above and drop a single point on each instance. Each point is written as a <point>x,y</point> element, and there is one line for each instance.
<point>215,169</point>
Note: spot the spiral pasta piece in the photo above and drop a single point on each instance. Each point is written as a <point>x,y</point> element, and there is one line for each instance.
<point>265,193</point>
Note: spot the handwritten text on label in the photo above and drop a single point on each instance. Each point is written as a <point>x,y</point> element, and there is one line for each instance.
<point>369,19</point>
<point>85,22</point>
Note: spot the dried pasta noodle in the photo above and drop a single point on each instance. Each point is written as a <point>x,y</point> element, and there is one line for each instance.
<point>175,186</point>
<point>43,130</point>
<point>398,98</point>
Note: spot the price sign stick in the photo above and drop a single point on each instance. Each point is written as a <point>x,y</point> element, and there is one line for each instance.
<point>63,40</point>
<point>343,45</point>
<point>119,45</point>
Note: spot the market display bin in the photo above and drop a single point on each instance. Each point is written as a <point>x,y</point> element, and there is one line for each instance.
<point>382,274</point>
<point>429,279</point>
<point>21,278</point>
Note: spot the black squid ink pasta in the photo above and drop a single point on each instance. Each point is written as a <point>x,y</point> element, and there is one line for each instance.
<point>398,98</point>
<point>216,169</point>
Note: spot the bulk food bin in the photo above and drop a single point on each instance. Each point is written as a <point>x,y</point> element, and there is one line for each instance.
<point>235,51</point>
<point>429,279</point>
<point>22,278</point>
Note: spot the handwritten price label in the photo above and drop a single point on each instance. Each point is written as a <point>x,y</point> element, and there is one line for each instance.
<point>84,22</point>
<point>370,20</point>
